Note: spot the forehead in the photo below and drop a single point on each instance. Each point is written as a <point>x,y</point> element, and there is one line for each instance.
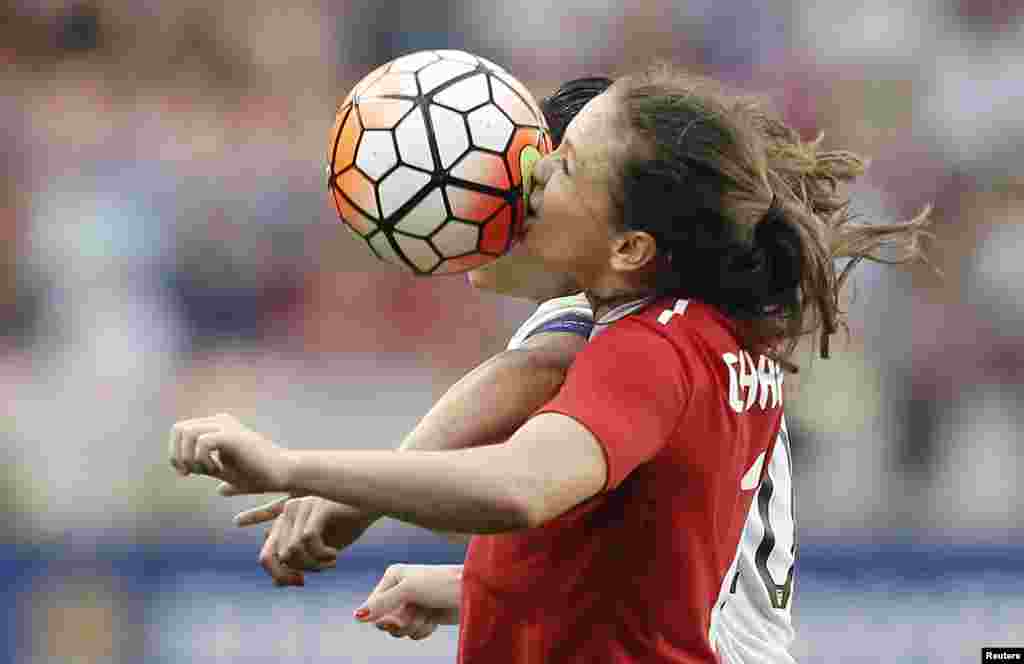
<point>597,133</point>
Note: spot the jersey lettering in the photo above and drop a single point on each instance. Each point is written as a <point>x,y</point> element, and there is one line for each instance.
<point>680,307</point>
<point>751,382</point>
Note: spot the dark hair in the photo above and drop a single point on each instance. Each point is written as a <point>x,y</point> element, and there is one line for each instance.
<point>749,217</point>
<point>562,105</point>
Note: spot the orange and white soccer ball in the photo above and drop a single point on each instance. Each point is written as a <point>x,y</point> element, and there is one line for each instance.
<point>426,160</point>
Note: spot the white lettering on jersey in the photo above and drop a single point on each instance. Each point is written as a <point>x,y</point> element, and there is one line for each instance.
<point>680,308</point>
<point>750,382</point>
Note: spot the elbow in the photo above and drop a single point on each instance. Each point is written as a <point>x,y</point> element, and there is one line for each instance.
<point>526,511</point>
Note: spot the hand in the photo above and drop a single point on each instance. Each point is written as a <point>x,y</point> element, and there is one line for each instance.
<point>222,447</point>
<point>412,600</point>
<point>306,535</point>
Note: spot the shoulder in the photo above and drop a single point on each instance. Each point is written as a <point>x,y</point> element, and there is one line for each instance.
<point>670,313</point>
<point>687,324</point>
<point>686,334</point>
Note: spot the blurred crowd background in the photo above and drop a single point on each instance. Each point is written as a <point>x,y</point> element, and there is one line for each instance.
<point>167,250</point>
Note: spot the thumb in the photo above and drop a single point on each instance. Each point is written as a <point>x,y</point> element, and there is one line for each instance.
<point>381,603</point>
<point>266,512</point>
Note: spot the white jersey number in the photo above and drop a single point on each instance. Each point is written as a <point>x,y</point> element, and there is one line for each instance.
<point>778,593</point>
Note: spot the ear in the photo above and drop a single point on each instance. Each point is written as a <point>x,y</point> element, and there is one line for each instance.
<point>633,250</point>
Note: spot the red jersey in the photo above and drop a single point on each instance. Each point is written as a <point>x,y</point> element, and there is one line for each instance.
<point>685,419</point>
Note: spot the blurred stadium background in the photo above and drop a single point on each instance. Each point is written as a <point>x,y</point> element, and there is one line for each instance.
<point>168,251</point>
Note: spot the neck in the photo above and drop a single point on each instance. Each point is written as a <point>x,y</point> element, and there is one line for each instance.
<point>601,303</point>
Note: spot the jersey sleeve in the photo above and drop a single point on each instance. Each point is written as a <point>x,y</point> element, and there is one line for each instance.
<point>629,388</point>
<point>561,314</point>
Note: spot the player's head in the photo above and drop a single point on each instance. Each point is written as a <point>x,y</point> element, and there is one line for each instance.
<point>519,273</point>
<point>667,184</point>
<point>562,105</point>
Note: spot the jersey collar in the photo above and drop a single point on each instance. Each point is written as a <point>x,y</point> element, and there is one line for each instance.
<point>620,312</point>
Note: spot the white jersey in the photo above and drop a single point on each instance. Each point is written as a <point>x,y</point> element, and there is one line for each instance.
<point>752,622</point>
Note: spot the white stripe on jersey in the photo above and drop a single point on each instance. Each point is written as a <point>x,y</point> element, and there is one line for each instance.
<point>746,628</point>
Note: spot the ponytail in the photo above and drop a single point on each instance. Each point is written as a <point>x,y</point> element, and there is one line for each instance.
<point>750,217</point>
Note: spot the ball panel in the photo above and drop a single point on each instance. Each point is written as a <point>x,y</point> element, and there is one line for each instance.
<point>489,128</point>
<point>376,153</point>
<point>456,238</point>
<point>400,186</point>
<point>418,252</point>
<point>496,233</point>
<point>391,83</point>
<point>458,56</point>
<point>484,168</point>
<point>346,140</point>
<point>413,143</point>
<point>450,134</point>
<point>360,190</point>
<point>377,113</point>
<point>472,205</point>
<point>383,249</point>
<point>466,94</point>
<point>332,138</point>
<point>365,82</point>
<point>437,73</point>
<point>520,140</point>
<point>414,61</point>
<point>353,218</point>
<point>524,94</point>
<point>514,107</point>
<point>426,217</point>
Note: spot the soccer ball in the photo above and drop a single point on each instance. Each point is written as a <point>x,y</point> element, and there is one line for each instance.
<point>426,160</point>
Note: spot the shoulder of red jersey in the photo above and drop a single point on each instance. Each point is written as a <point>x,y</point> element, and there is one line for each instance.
<point>679,318</point>
<point>706,337</point>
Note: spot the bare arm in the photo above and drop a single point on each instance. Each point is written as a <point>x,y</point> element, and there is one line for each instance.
<point>491,489</point>
<point>493,400</point>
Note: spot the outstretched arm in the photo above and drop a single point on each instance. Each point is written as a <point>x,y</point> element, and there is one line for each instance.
<point>517,484</point>
<point>496,488</point>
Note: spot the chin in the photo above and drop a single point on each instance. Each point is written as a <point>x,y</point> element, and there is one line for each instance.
<point>479,279</point>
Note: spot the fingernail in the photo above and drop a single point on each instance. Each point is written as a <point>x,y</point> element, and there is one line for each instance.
<point>362,613</point>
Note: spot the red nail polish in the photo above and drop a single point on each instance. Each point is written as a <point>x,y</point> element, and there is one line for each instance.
<point>362,613</point>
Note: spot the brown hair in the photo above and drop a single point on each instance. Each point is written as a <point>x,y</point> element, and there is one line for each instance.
<point>751,217</point>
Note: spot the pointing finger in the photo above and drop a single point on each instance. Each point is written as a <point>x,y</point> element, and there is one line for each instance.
<point>265,512</point>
